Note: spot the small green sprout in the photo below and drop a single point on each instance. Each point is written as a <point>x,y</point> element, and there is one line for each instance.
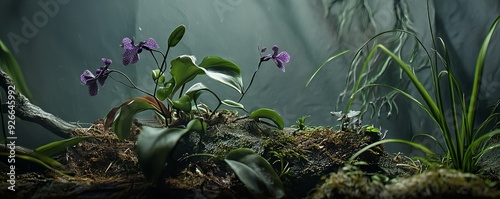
<point>300,123</point>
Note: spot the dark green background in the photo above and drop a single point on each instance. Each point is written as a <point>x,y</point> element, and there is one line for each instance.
<point>77,34</point>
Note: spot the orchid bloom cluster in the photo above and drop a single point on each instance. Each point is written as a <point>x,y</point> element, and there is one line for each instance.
<point>130,56</point>
<point>90,79</point>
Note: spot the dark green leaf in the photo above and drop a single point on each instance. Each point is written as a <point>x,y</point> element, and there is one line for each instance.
<point>183,103</point>
<point>223,71</point>
<point>123,122</point>
<point>45,161</point>
<point>233,104</point>
<point>176,36</point>
<point>183,70</point>
<point>162,93</point>
<point>57,146</point>
<point>256,173</point>
<point>268,114</point>
<point>155,145</point>
<point>111,117</point>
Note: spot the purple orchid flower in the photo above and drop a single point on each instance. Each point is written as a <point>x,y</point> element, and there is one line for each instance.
<point>278,58</point>
<point>131,54</point>
<point>91,80</point>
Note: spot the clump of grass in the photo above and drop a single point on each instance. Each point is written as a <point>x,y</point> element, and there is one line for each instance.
<point>464,144</point>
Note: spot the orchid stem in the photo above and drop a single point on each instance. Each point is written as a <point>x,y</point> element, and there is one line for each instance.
<point>251,81</point>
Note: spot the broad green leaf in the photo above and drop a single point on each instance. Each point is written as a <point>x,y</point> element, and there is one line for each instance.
<point>233,104</point>
<point>111,117</point>
<point>123,121</point>
<point>223,71</point>
<point>256,173</point>
<point>197,125</point>
<point>268,114</point>
<point>183,103</point>
<point>12,68</point>
<point>176,36</point>
<point>57,146</point>
<point>155,145</point>
<point>162,93</point>
<point>183,70</point>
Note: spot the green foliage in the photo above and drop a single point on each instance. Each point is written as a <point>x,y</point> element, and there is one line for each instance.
<point>12,68</point>
<point>256,173</point>
<point>197,89</point>
<point>268,114</point>
<point>349,122</point>
<point>462,144</point>
<point>184,69</point>
<point>223,71</point>
<point>155,145</point>
<point>183,103</point>
<point>300,123</point>
<point>41,155</point>
<point>120,118</point>
<point>57,146</point>
<point>284,169</point>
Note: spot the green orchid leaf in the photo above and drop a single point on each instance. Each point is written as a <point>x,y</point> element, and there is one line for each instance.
<point>44,161</point>
<point>36,157</point>
<point>120,117</point>
<point>155,145</point>
<point>183,103</point>
<point>223,71</point>
<point>183,70</point>
<point>176,36</point>
<point>123,122</point>
<point>57,146</point>
<point>233,104</point>
<point>268,114</point>
<point>12,68</point>
<point>196,90</point>
<point>197,125</point>
<point>256,173</point>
